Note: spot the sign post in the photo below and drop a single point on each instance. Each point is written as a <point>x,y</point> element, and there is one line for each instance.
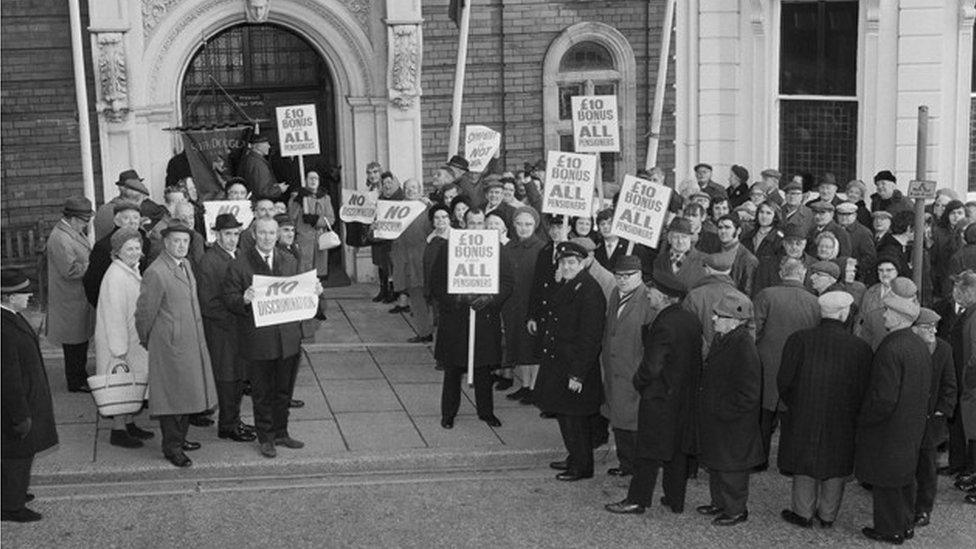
<point>298,133</point>
<point>920,190</point>
<point>473,268</point>
<point>641,211</point>
<point>596,128</point>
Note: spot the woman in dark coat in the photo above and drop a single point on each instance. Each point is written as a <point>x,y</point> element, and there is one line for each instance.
<point>947,239</point>
<point>729,439</point>
<point>440,219</point>
<point>764,243</point>
<point>523,251</point>
<point>28,414</point>
<point>380,249</point>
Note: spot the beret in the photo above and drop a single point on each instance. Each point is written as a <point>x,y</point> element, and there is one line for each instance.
<point>826,267</point>
<point>734,305</point>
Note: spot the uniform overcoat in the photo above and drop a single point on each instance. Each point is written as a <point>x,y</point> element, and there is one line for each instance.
<point>70,318</point>
<point>25,389</point>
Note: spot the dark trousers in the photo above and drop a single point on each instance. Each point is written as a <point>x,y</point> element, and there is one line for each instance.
<point>173,428</point>
<point>229,395</point>
<point>577,432</point>
<point>674,481</point>
<point>817,497</point>
<point>729,490</point>
<point>599,429</point>
<point>894,509</point>
<point>75,364</point>
<point>626,442</point>
<point>768,421</point>
<point>451,391</point>
<point>270,394</point>
<point>957,442</point>
<point>14,481</point>
<point>294,377</point>
<point>927,480</point>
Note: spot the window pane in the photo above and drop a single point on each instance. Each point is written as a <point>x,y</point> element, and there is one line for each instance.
<point>586,56</point>
<point>608,167</point>
<point>818,137</point>
<point>839,60</point>
<point>566,92</point>
<point>609,88</point>
<point>818,48</point>
<point>566,143</point>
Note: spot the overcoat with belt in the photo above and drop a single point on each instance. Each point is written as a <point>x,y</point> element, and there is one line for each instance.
<point>219,324</point>
<point>621,355</point>
<point>891,422</point>
<point>667,381</point>
<point>170,326</point>
<point>25,390</point>
<point>70,317</point>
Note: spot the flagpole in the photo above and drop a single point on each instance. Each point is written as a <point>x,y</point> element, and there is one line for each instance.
<point>462,60</point>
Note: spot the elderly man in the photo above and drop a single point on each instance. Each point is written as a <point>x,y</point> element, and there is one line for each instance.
<point>962,337</point>
<point>744,264</point>
<point>823,221</point>
<point>780,311</point>
<point>863,248</point>
<point>272,351</point>
<point>170,325</point>
<point>126,216</point>
<point>703,178</point>
<point>679,257</point>
<point>827,190</point>
<point>257,171</point>
<point>131,191</point>
<point>703,297</point>
<point>263,208</point>
<point>794,211</point>
<point>629,310</point>
<point>569,383</point>
<point>821,382</point>
<point>666,381</point>
<point>891,422</point>
<point>729,398</point>
<point>495,201</point>
<point>70,317</point>
<point>183,213</point>
<point>888,197</point>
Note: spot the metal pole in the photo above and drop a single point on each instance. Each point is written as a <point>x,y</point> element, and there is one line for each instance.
<point>471,341</point>
<point>657,112</point>
<point>919,245</point>
<point>81,99</point>
<point>462,60</point>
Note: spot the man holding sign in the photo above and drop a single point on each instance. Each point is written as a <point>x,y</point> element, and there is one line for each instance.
<point>272,350</point>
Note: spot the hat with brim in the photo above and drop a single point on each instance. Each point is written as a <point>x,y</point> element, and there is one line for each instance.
<point>626,264</point>
<point>130,180</point>
<point>226,221</point>
<point>733,305</point>
<point>792,186</point>
<point>721,262</point>
<point>260,138</point>
<point>570,249</point>
<point>457,162</point>
<point>794,232</point>
<point>703,165</point>
<point>680,225</point>
<point>846,208</point>
<point>835,302</point>
<point>668,284</point>
<point>78,206</point>
<point>13,281</point>
<point>927,316</point>
<point>493,182</point>
<point>123,235</point>
<point>828,268</point>
<point>176,227</point>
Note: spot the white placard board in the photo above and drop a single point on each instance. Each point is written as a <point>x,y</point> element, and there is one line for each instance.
<point>596,126</point>
<point>394,216</point>
<point>569,183</point>
<point>473,262</point>
<point>641,211</point>
<point>298,130</point>
<point>481,143</point>
<point>358,206</point>
<point>212,208</point>
<point>283,299</point>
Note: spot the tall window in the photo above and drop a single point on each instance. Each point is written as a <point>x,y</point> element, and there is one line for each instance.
<point>817,87</point>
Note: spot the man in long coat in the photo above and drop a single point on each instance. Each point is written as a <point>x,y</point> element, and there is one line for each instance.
<point>170,326</point>
<point>891,422</point>
<point>729,398</point>
<point>629,310</point>
<point>546,280</point>
<point>569,383</point>
<point>821,380</point>
<point>257,172</point>
<point>222,330</point>
<point>962,337</point>
<point>780,311</point>
<point>28,414</point>
<point>707,292</point>
<point>666,380</point>
<point>70,318</point>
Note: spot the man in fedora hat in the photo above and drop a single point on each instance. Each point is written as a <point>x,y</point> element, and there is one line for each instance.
<point>28,414</point>
<point>70,318</point>
<point>132,190</point>
<point>257,172</point>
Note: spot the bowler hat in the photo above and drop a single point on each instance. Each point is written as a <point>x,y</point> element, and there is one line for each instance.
<point>828,268</point>
<point>226,221</point>
<point>885,175</point>
<point>733,305</point>
<point>627,263</point>
<point>78,206</point>
<point>570,249</point>
<point>13,281</point>
<point>176,227</point>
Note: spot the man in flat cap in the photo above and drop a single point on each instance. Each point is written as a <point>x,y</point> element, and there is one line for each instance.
<point>708,291</point>
<point>170,325</point>
<point>863,247</point>
<point>795,212</point>
<point>456,171</point>
<point>823,221</point>
<point>891,422</point>
<point>679,256</point>
<point>821,383</point>
<point>823,275</point>
<point>888,197</point>
<point>827,190</point>
<point>70,317</point>
<point>666,381</point>
<point>126,216</point>
<point>704,183</point>
<point>257,172</point>
<point>132,190</point>
<point>729,398</point>
<point>569,383</point>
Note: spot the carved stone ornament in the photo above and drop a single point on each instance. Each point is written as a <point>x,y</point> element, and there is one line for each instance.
<point>153,12</point>
<point>113,87</point>
<point>360,10</point>
<point>257,10</point>
<point>404,73</point>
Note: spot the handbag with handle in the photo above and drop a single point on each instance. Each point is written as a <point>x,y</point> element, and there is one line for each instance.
<point>329,239</point>
<point>119,393</point>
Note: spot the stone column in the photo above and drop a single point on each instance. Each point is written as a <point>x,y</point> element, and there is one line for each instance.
<point>405,51</point>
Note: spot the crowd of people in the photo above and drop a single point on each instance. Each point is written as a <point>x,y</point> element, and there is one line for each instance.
<point>776,304</point>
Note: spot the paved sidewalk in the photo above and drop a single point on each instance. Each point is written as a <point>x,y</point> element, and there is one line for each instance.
<point>372,403</point>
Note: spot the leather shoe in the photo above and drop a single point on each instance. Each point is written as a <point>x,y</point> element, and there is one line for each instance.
<point>922,519</point>
<point>245,427</point>
<point>625,508</point>
<point>872,534</point>
<point>189,446</point>
<point>731,520</point>
<point>137,432</point>
<point>201,421</point>
<point>180,460</point>
<point>268,449</point>
<point>29,497</point>
<point>559,465</point>
<point>909,534</point>
<point>398,309</point>
<point>708,509</point>
<point>122,439</point>
<point>447,422</point>
<point>20,515</point>
<point>289,442</point>
<point>519,394</point>
<point>503,384</point>
<point>492,421</point>
<point>791,517</point>
<point>618,472</point>
<point>295,403</point>
<point>421,339</point>
<point>238,435</point>
<point>528,399</point>
<point>825,523</point>
<point>572,476</point>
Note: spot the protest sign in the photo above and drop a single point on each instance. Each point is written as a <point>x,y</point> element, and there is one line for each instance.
<point>209,153</point>
<point>282,299</point>
<point>569,183</point>
<point>394,216</point>
<point>212,208</point>
<point>480,145</point>
<point>472,262</point>
<point>298,130</point>
<point>641,211</point>
<point>358,206</point>
<point>595,124</point>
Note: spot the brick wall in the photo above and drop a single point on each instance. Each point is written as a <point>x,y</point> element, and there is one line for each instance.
<point>39,147</point>
<point>503,87</point>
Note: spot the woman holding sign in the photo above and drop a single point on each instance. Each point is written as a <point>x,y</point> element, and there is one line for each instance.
<point>311,210</point>
<point>407,257</point>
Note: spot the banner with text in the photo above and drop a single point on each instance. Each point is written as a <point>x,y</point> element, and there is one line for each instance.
<point>394,216</point>
<point>480,145</point>
<point>283,299</point>
<point>641,211</point>
<point>358,206</point>
<point>595,124</point>
<point>298,130</point>
<point>212,208</point>
<point>569,183</point>
<point>473,262</point>
<point>209,153</point>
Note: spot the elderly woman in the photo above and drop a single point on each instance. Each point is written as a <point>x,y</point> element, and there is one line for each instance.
<point>116,340</point>
<point>407,258</point>
<point>311,210</point>
<point>856,191</point>
<point>440,218</point>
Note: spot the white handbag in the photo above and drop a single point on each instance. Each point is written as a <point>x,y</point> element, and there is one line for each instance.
<point>329,239</point>
<point>119,392</point>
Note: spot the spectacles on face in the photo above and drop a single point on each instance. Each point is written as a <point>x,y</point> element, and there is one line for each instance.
<point>625,275</point>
